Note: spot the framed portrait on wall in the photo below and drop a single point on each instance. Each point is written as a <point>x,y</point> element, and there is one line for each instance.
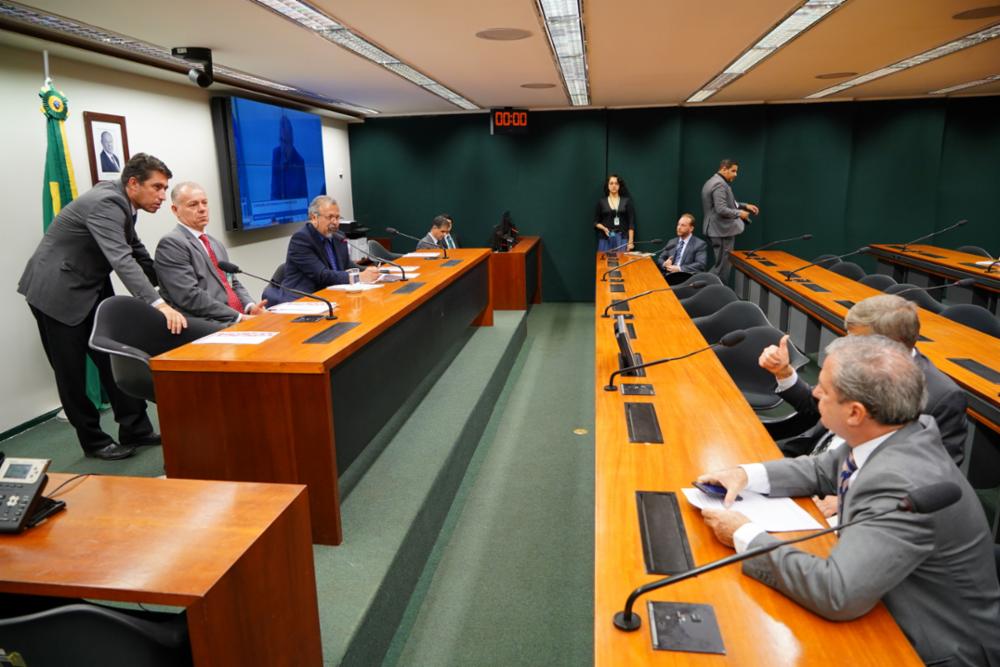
<point>107,145</point>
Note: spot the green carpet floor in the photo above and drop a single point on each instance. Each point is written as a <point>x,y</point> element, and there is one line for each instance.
<point>511,579</point>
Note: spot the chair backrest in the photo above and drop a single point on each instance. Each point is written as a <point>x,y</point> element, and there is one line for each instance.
<point>279,274</point>
<point>677,278</point>
<point>380,251</point>
<point>975,250</point>
<point>917,296</point>
<point>131,331</point>
<point>686,290</point>
<point>878,280</point>
<point>848,270</point>
<point>732,316</point>
<point>741,361</point>
<point>974,316</point>
<point>89,634</point>
<point>708,300</point>
<point>826,261</point>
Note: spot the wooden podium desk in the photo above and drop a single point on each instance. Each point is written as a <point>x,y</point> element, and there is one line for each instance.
<point>237,556</point>
<point>928,265</point>
<point>291,411</point>
<point>813,314</point>
<point>516,276</point>
<point>706,425</point>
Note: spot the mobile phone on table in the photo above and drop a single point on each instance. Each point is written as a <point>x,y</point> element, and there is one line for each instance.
<point>714,490</point>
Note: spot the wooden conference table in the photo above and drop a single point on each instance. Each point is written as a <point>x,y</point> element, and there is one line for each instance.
<point>237,556</point>
<point>287,410</point>
<point>813,313</point>
<point>927,265</point>
<point>516,276</point>
<point>706,425</point>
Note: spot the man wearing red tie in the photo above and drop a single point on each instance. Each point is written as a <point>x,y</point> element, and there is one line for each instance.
<point>187,264</point>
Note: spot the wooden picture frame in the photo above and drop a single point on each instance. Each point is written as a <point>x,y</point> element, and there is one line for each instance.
<point>107,145</point>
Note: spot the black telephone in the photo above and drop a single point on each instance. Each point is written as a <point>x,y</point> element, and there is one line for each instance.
<point>21,484</point>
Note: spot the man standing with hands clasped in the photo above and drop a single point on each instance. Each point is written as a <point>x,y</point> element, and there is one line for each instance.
<point>724,216</point>
<point>935,572</point>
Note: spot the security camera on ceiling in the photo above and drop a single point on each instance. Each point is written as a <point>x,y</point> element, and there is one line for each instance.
<point>200,56</point>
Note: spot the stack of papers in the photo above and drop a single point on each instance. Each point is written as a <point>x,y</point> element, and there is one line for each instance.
<point>775,515</point>
<point>425,255</point>
<point>301,308</point>
<point>359,287</point>
<point>394,269</point>
<point>239,337</point>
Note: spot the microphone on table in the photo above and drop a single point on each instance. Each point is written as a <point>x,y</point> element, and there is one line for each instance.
<point>229,267</point>
<point>923,500</point>
<point>381,260</point>
<point>729,340</point>
<point>698,284</point>
<point>617,248</point>
<point>604,276</point>
<point>789,274</point>
<point>752,254</point>
<point>989,269</point>
<point>426,244</point>
<point>964,282</point>
<point>927,236</point>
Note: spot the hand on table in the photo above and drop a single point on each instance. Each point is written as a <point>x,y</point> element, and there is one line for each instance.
<point>733,479</point>
<point>724,523</point>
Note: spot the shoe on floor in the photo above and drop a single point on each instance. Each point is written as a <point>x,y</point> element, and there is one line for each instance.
<point>144,441</point>
<point>111,452</point>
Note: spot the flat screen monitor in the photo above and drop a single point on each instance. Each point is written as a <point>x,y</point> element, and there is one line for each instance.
<point>271,162</point>
<point>626,357</point>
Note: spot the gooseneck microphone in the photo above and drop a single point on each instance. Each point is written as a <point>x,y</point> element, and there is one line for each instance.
<point>604,276</point>
<point>380,260</point>
<point>791,274</point>
<point>923,500</point>
<point>964,282</point>
<point>426,244</point>
<point>698,284</point>
<point>617,248</point>
<point>752,254</point>
<point>729,340</point>
<point>932,234</point>
<point>229,267</point>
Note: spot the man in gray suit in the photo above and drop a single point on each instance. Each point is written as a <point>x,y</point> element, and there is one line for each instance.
<point>936,572</point>
<point>187,264</point>
<point>685,252</point>
<point>69,274</point>
<point>435,238</point>
<point>724,216</point>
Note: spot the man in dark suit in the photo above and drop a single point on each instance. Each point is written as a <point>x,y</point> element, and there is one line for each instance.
<point>724,216</point>
<point>317,254</point>
<point>69,274</point>
<point>109,161</point>
<point>436,237</point>
<point>686,252</point>
<point>935,572</point>
<point>187,264</point>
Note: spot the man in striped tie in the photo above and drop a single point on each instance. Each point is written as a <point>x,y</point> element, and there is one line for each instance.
<point>934,571</point>
<point>187,264</point>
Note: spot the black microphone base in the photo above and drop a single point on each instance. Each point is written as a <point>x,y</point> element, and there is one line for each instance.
<point>610,387</point>
<point>330,317</point>
<point>628,624</point>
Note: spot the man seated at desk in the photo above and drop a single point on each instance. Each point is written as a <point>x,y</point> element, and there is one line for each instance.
<point>449,240</point>
<point>935,572</point>
<point>317,254</point>
<point>187,264</point>
<point>685,252</point>
<point>435,238</point>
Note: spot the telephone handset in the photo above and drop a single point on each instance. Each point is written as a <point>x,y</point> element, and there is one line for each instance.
<point>21,484</point>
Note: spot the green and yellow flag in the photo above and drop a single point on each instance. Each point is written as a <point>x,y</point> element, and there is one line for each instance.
<point>59,188</point>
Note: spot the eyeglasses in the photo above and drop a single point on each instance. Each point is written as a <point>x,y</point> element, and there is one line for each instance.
<point>329,217</point>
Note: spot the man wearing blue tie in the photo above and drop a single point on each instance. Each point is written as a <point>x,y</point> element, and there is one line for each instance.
<point>449,240</point>
<point>686,252</point>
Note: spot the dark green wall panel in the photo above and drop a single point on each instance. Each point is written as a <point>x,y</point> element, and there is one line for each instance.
<point>850,174</point>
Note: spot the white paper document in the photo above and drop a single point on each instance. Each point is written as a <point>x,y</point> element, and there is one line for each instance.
<point>237,337</point>
<point>775,515</point>
<point>359,287</point>
<point>301,308</point>
<point>635,253</point>
<point>395,269</point>
<point>396,277</point>
<point>985,262</point>
<point>422,254</point>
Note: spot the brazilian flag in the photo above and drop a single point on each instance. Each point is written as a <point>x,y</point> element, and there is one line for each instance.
<point>59,188</point>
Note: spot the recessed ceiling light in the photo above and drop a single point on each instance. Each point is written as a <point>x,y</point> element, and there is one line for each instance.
<point>836,75</point>
<point>538,86</point>
<point>503,34</point>
<point>978,13</point>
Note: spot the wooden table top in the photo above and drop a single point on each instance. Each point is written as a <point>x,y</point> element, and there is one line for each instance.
<point>941,261</point>
<point>707,425</point>
<point>137,539</point>
<point>376,310</point>
<point>524,244</point>
<point>948,339</point>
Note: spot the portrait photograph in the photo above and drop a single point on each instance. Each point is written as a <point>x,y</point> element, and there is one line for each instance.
<point>107,145</point>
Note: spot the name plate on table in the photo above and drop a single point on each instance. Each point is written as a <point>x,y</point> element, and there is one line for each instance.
<point>409,287</point>
<point>331,332</point>
<point>451,262</point>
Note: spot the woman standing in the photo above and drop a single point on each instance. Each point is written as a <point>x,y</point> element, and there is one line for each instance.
<point>614,216</point>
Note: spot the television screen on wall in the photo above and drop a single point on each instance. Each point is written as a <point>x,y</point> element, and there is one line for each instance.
<point>271,162</point>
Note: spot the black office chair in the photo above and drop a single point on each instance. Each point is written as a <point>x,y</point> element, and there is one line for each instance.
<point>677,277</point>
<point>686,290</point>
<point>741,362</point>
<point>131,331</point>
<point>732,316</point>
<point>848,270</point>
<point>708,300</point>
<point>917,296</point>
<point>975,250</point>
<point>90,635</point>
<point>878,280</point>
<point>279,274</point>
<point>380,251</point>
<point>826,261</point>
<point>974,316</point>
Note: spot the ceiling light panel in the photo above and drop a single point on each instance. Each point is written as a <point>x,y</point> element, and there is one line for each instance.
<point>360,46</point>
<point>963,86</point>
<point>564,27</point>
<point>301,13</point>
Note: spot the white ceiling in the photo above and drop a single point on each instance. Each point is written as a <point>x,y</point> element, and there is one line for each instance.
<point>640,52</point>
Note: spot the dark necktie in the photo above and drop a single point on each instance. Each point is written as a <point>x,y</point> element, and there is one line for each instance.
<point>331,255</point>
<point>678,252</point>
<point>231,298</point>
<point>846,471</point>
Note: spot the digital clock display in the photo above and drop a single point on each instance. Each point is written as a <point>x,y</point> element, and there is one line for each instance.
<point>508,121</point>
